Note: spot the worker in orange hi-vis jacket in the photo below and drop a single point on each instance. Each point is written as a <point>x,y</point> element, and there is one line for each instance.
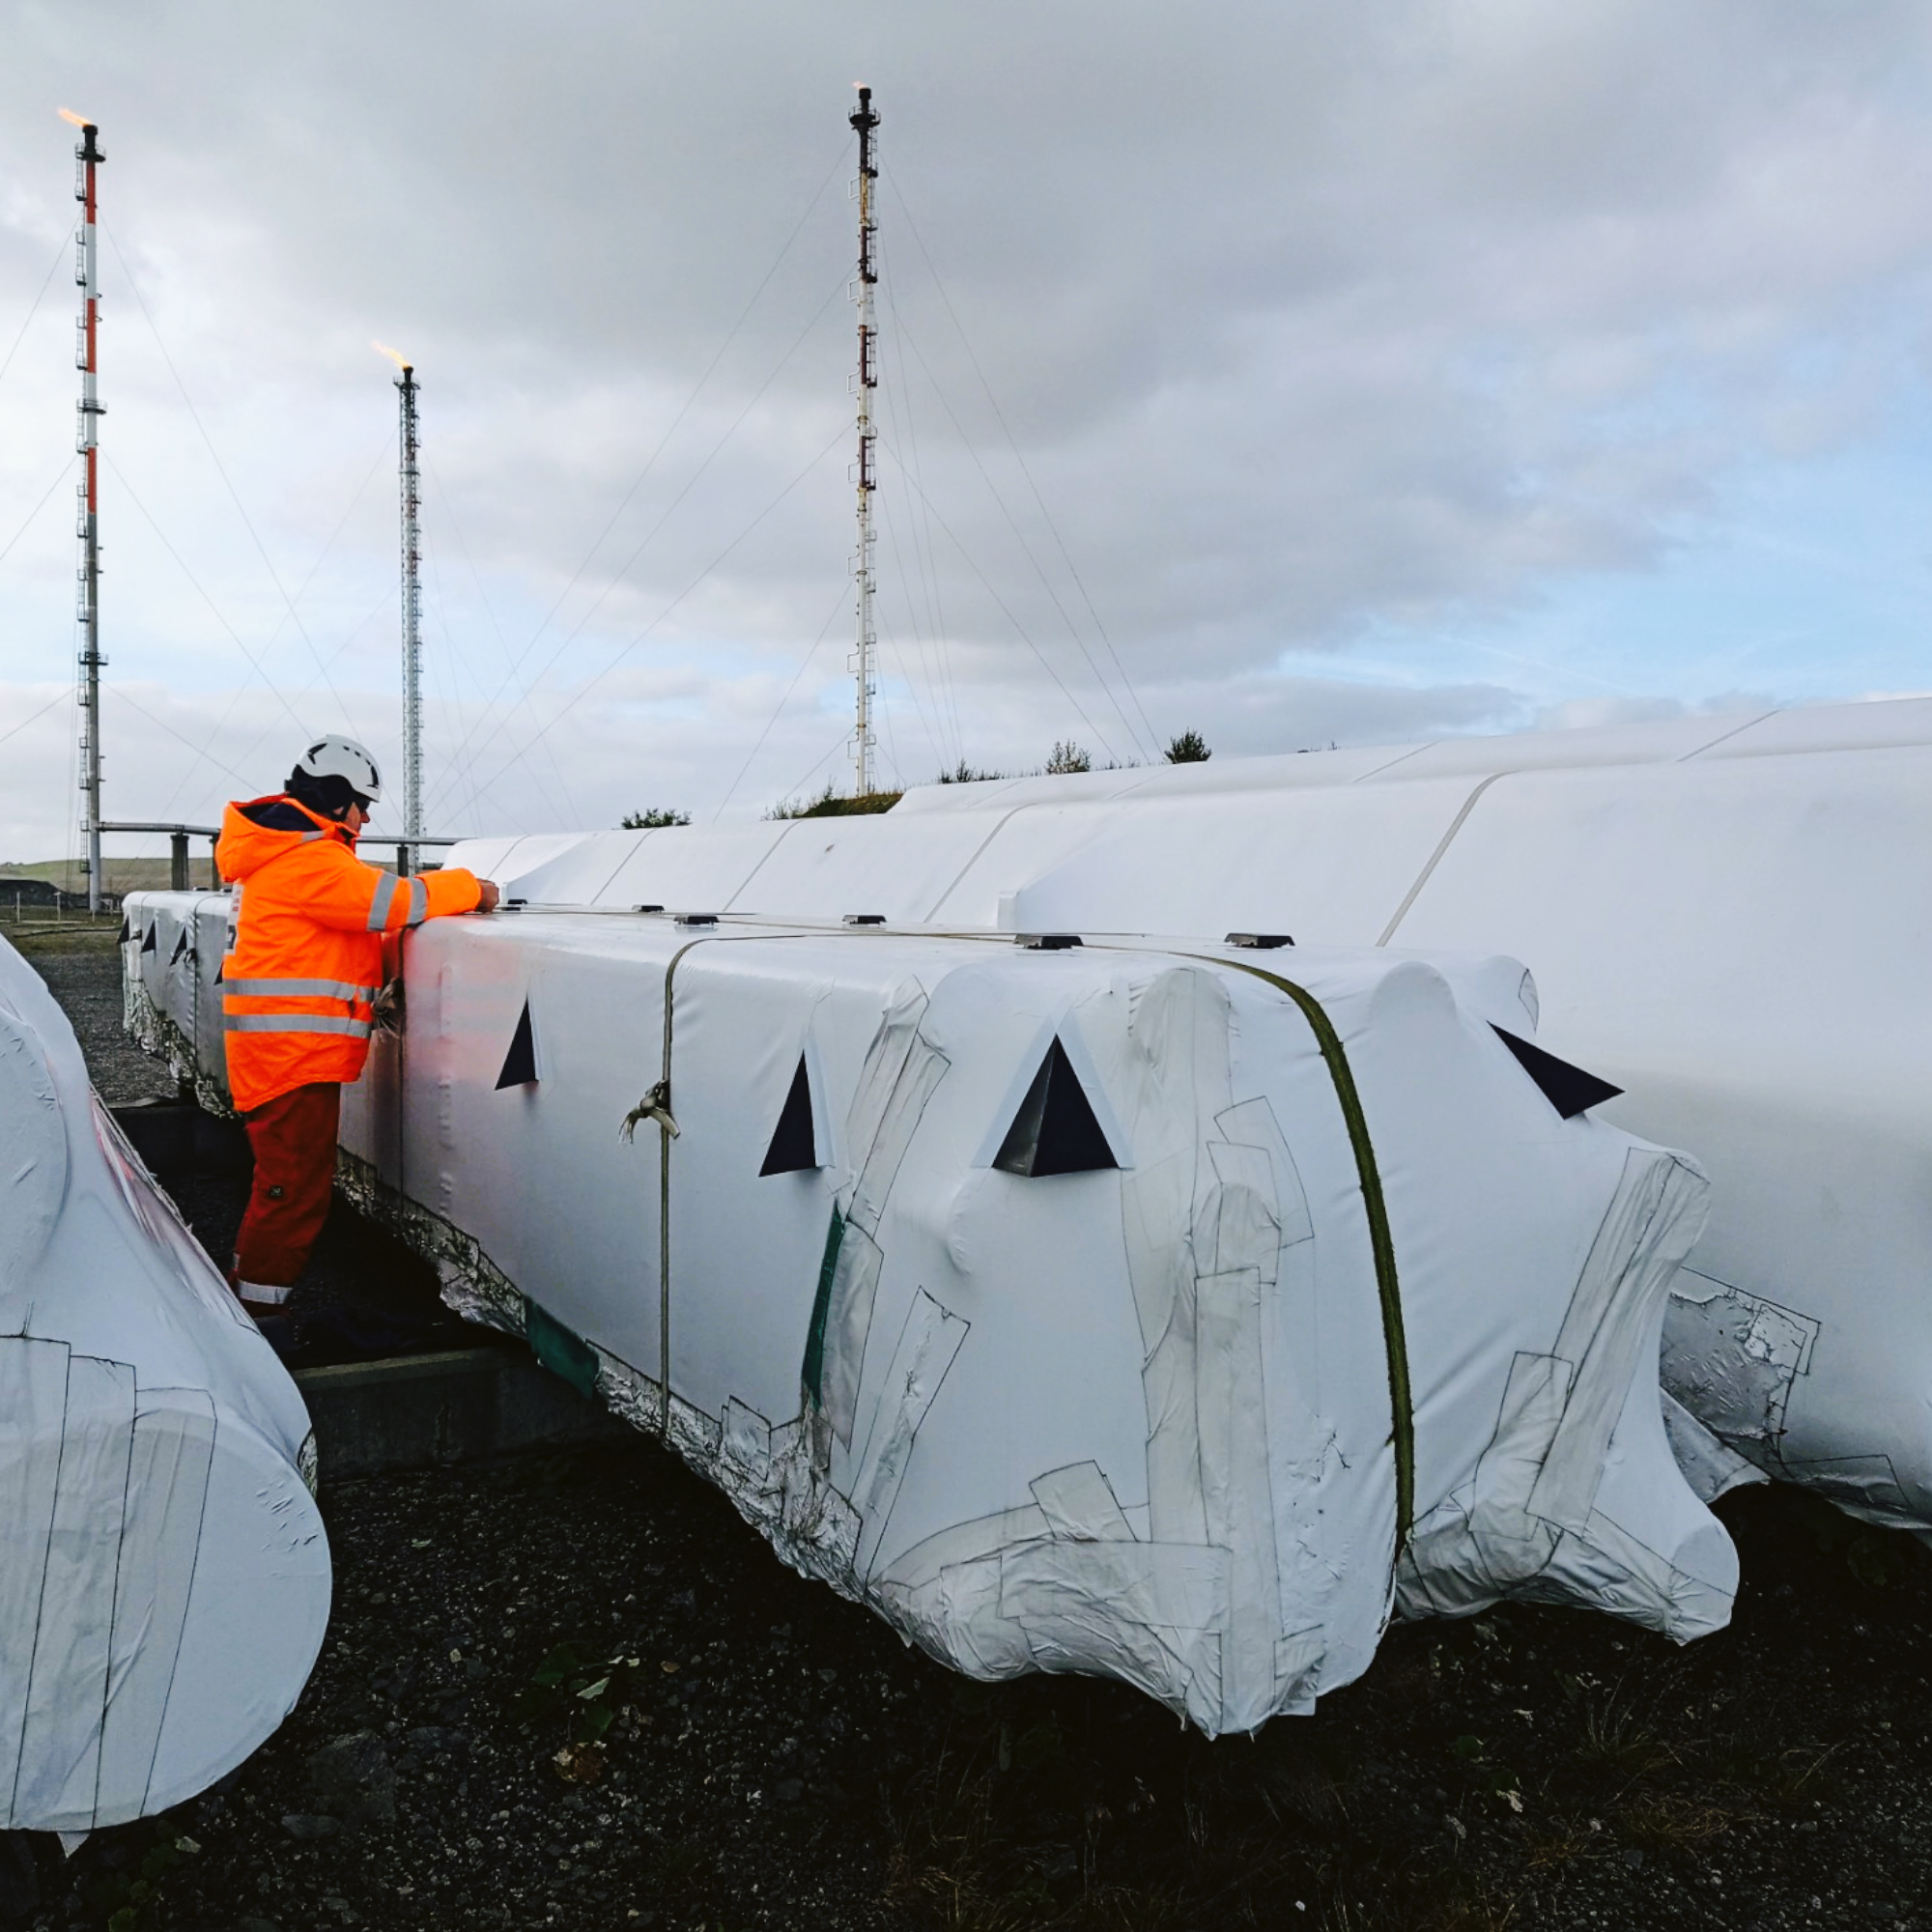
<point>311,931</point>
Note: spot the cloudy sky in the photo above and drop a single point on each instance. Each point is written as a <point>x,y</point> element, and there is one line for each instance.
<point>1292,372</point>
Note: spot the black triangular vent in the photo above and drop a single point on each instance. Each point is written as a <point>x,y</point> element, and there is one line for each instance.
<point>1567,1088</point>
<point>794,1147</point>
<point>181,947</point>
<point>1055,1130</point>
<point>519,1064</point>
<point>147,943</point>
<point>127,930</point>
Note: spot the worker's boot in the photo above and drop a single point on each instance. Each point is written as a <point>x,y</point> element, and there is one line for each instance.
<point>272,1317</point>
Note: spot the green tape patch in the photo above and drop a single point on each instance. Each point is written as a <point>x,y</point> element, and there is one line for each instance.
<point>812,1373</point>
<point>560,1352</point>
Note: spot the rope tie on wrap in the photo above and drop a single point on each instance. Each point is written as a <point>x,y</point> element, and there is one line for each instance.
<point>654,1107</point>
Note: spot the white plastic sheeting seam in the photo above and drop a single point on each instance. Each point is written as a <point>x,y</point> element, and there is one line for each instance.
<point>163,1575</point>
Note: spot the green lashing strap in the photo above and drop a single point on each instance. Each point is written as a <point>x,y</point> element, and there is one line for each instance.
<point>1402,1414</point>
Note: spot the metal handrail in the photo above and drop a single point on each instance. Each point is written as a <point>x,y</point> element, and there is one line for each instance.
<point>180,834</point>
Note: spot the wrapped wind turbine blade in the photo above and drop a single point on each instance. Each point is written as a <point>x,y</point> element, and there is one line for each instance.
<point>1142,1311</point>
<point>172,946</point>
<point>164,1580</point>
<point>1726,914</point>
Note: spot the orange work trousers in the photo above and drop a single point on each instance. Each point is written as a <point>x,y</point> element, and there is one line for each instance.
<point>292,1137</point>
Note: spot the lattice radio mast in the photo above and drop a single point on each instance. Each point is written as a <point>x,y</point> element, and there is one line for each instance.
<point>88,157</point>
<point>863,121</point>
<point>412,507</point>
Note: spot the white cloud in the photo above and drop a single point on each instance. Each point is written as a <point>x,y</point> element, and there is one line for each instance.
<point>1311,324</point>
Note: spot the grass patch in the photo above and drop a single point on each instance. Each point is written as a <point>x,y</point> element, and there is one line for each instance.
<point>117,875</point>
<point>1618,1739</point>
<point>74,933</point>
<point>833,804</point>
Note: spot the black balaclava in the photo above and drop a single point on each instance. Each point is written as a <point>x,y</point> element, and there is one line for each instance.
<point>331,796</point>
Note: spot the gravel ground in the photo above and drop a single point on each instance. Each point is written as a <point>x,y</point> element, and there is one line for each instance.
<point>82,969</point>
<point>723,1745</point>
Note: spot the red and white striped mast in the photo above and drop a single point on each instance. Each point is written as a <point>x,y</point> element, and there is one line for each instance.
<point>863,121</point>
<point>88,157</point>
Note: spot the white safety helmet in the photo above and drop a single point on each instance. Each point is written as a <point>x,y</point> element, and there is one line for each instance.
<point>340,759</point>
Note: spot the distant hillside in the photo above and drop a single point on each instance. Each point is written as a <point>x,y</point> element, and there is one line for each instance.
<point>120,875</point>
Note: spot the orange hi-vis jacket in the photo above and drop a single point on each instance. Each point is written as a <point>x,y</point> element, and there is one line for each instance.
<point>304,959</point>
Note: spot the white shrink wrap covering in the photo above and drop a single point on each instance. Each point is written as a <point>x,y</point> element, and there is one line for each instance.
<point>164,1580</point>
<point>1161,1310</point>
<point>1727,916</point>
<point>171,949</point>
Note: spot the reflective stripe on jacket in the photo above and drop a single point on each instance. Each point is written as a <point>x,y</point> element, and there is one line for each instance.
<point>304,962</point>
